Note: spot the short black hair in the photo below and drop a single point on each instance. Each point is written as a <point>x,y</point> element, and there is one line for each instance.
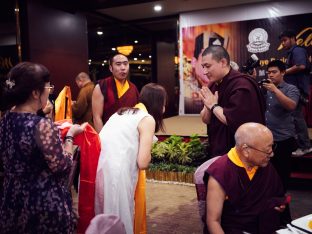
<point>277,63</point>
<point>111,59</point>
<point>217,52</point>
<point>287,33</point>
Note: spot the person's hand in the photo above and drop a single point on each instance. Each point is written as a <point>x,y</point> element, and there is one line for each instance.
<point>48,108</point>
<point>208,98</point>
<point>270,86</point>
<point>280,208</point>
<point>75,129</point>
<point>254,73</point>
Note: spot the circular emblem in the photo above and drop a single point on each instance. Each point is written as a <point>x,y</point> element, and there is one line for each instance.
<point>258,41</point>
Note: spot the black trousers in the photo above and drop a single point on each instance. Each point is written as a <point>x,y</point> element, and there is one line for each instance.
<point>282,157</point>
<point>282,163</point>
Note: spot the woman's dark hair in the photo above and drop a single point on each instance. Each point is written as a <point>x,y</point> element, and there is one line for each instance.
<point>22,79</point>
<point>154,97</point>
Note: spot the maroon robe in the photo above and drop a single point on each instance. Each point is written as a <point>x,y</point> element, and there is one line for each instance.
<point>250,204</point>
<point>111,101</point>
<point>242,102</point>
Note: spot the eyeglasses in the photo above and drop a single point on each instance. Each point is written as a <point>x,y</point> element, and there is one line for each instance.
<point>50,87</point>
<point>267,153</point>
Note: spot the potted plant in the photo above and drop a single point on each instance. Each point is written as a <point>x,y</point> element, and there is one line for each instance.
<point>176,159</point>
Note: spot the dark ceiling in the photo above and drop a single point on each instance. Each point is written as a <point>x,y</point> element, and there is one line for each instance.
<point>118,32</point>
<point>123,21</point>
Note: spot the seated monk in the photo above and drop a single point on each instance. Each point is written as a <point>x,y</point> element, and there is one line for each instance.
<point>245,193</point>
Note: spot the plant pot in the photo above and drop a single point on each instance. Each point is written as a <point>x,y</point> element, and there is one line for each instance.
<point>170,176</point>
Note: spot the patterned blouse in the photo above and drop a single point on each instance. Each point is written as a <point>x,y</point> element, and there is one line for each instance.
<point>34,197</point>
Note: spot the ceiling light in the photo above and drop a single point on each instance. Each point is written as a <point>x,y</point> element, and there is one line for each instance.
<point>135,59</point>
<point>136,42</point>
<point>157,8</point>
<point>99,33</point>
<point>113,48</point>
<point>150,56</point>
<point>126,50</point>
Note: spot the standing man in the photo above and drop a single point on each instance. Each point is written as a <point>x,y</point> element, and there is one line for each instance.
<point>82,108</point>
<point>281,100</point>
<point>113,92</point>
<point>244,192</point>
<point>233,99</point>
<point>297,74</point>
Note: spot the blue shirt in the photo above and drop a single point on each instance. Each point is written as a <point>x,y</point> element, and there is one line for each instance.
<point>298,56</point>
<point>278,119</point>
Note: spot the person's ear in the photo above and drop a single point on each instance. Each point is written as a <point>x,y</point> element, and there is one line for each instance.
<point>36,94</point>
<point>111,68</point>
<point>244,149</point>
<point>283,73</point>
<point>224,62</point>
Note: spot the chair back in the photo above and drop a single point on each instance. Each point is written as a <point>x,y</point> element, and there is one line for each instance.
<point>201,189</point>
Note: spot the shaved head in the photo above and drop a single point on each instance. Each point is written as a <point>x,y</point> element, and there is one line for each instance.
<point>251,133</point>
<point>82,76</point>
<point>254,143</point>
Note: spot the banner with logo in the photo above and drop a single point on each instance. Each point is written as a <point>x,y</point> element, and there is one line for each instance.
<point>241,39</point>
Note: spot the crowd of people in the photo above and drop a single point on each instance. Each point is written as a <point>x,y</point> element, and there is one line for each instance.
<point>247,126</point>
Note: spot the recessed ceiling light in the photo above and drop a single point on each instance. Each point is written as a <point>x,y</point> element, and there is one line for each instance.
<point>135,59</point>
<point>113,48</point>
<point>99,33</point>
<point>150,56</point>
<point>136,41</point>
<point>157,8</point>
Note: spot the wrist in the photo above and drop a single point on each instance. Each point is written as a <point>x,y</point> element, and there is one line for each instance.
<point>214,106</point>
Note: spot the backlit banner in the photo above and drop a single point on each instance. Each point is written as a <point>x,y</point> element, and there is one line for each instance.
<point>241,39</point>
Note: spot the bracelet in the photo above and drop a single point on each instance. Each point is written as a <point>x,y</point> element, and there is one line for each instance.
<point>69,140</point>
<point>214,106</point>
<point>69,137</point>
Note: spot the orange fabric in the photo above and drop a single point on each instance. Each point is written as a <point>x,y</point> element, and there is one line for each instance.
<point>90,147</point>
<point>63,102</point>
<point>140,205</point>
<point>140,199</point>
<point>233,156</point>
<point>121,89</point>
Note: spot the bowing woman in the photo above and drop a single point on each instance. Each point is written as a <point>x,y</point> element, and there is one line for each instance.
<point>126,142</point>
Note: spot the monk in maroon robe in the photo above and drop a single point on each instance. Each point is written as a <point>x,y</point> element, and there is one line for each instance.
<point>233,99</point>
<point>244,192</point>
<point>114,92</point>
